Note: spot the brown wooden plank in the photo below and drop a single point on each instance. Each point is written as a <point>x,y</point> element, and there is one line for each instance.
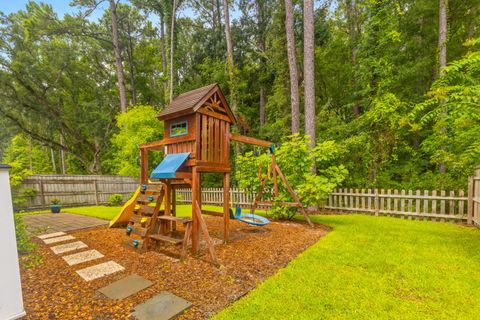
<point>226,207</point>
<point>210,139</point>
<point>203,147</point>
<point>294,195</point>
<point>205,233</point>
<point>216,140</point>
<point>249,140</point>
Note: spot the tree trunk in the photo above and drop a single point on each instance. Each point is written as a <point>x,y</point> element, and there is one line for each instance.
<point>131,64</point>
<point>352,19</point>
<point>30,154</point>
<point>118,57</point>
<point>473,25</point>
<point>292,66</point>
<point>262,104</point>
<point>164,55</point>
<point>172,42</point>
<point>54,164</point>
<point>62,156</point>
<point>442,55</point>
<point>230,63</point>
<point>442,36</point>
<point>309,69</point>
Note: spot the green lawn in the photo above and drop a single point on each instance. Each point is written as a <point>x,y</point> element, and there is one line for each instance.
<point>108,212</point>
<point>374,268</point>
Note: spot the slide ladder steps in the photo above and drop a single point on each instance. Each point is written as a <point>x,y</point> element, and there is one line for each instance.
<point>144,215</point>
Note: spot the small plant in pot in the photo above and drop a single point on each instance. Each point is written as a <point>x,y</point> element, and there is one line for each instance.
<point>55,206</point>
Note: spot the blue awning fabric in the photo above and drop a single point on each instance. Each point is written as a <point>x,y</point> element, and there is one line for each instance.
<point>169,165</point>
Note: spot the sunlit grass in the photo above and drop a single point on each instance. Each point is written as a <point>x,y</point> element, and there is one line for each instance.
<point>374,268</point>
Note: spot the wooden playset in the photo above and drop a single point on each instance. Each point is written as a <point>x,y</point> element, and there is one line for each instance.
<point>197,139</point>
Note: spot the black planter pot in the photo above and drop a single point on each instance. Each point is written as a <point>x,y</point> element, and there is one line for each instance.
<point>55,208</point>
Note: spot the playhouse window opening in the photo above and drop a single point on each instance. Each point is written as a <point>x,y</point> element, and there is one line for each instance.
<point>178,129</point>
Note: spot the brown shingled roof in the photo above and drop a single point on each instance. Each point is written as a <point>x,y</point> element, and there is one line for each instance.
<point>186,101</point>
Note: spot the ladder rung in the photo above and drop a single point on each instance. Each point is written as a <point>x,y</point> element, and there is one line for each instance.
<point>159,237</point>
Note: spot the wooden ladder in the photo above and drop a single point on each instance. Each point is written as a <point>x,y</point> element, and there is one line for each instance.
<point>144,215</point>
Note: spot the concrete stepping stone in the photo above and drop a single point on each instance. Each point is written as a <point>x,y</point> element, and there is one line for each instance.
<point>163,306</point>
<point>68,247</point>
<point>125,287</point>
<point>58,239</point>
<point>99,270</point>
<point>51,235</point>
<point>81,257</point>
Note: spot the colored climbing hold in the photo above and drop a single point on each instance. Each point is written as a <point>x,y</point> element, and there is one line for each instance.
<point>135,243</point>
<point>129,230</point>
<point>144,188</point>
<point>150,198</point>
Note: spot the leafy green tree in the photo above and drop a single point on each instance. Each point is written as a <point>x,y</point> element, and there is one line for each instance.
<point>138,125</point>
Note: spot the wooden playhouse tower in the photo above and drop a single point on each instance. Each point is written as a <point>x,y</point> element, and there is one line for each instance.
<point>196,140</point>
<point>196,126</point>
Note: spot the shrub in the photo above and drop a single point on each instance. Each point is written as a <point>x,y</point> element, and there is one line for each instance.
<point>55,201</point>
<point>115,199</point>
<point>295,158</point>
<point>24,245</point>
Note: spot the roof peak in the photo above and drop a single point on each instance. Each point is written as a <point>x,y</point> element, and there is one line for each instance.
<point>188,102</point>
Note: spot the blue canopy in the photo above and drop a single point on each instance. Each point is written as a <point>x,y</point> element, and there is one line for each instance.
<point>169,165</point>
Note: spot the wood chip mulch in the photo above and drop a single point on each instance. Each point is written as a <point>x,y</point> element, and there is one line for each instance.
<point>53,290</point>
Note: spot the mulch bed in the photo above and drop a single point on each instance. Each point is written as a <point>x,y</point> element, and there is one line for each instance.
<point>53,290</point>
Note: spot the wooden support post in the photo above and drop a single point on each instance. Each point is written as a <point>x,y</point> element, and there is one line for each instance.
<point>143,165</point>
<point>195,224</point>
<point>226,206</point>
<point>42,194</point>
<point>275,181</point>
<point>206,235</point>
<point>166,224</point>
<point>376,202</point>
<point>294,195</point>
<point>95,189</point>
<point>174,208</point>
<point>470,201</point>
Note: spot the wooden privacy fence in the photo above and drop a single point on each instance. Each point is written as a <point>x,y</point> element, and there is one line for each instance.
<point>74,190</point>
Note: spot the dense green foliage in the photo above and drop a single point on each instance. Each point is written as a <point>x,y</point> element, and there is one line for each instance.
<point>373,268</point>
<point>379,94</point>
<point>295,160</point>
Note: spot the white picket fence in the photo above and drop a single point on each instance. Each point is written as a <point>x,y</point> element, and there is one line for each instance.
<point>412,204</point>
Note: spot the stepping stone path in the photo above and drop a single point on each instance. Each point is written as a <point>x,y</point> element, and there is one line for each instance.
<point>125,287</point>
<point>99,270</point>
<point>163,306</point>
<point>89,273</point>
<point>58,239</point>
<point>83,256</point>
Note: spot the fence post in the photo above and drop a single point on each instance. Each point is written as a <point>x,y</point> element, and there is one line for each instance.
<point>42,195</point>
<point>95,189</point>
<point>376,202</point>
<point>470,201</point>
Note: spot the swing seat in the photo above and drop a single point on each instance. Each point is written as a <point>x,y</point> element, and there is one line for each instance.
<point>251,219</point>
<point>254,219</point>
